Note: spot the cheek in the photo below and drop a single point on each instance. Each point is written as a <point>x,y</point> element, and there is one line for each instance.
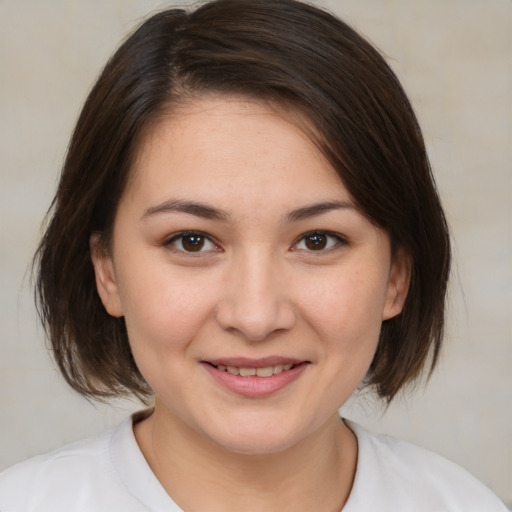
<point>347,302</point>
<point>163,313</point>
<point>346,311</point>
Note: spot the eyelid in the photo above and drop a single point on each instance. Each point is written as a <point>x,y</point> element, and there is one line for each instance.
<point>168,241</point>
<point>340,240</point>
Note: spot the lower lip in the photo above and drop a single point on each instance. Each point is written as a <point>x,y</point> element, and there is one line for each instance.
<point>255,387</point>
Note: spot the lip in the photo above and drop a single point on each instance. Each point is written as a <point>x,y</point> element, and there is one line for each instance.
<point>246,362</point>
<point>255,387</point>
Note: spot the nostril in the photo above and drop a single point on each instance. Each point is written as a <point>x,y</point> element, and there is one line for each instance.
<point>255,320</point>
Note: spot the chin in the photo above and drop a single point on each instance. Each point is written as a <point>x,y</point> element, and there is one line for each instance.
<point>257,445</point>
<point>256,438</point>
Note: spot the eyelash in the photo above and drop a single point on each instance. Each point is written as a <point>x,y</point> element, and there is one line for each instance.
<point>206,239</point>
<point>335,240</point>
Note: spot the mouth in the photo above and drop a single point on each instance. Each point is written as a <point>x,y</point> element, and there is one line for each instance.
<point>255,378</point>
<point>262,372</point>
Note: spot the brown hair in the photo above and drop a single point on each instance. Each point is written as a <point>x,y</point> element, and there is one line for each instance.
<point>293,55</point>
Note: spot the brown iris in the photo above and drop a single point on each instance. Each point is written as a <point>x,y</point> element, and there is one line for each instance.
<point>316,241</point>
<point>192,243</point>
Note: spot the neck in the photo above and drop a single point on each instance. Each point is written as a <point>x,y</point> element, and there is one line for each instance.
<point>315,474</point>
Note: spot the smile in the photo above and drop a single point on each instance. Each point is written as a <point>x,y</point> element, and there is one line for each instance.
<point>255,378</point>
<point>265,372</point>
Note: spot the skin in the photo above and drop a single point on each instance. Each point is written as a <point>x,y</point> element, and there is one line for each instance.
<point>256,289</point>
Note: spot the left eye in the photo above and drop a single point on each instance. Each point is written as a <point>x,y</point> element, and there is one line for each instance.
<point>192,242</point>
<point>318,241</point>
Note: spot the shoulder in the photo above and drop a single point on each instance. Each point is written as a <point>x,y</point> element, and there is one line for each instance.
<point>58,480</point>
<point>406,477</point>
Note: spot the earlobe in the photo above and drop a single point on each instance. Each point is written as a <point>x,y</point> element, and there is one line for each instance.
<point>398,285</point>
<point>106,282</point>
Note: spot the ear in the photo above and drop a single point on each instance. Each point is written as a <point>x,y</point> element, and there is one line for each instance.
<point>106,283</point>
<point>398,285</point>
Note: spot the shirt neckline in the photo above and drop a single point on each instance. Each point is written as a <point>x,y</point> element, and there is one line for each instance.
<point>134,471</point>
<point>139,480</point>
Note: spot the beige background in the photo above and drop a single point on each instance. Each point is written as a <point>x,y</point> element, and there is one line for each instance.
<point>454,58</point>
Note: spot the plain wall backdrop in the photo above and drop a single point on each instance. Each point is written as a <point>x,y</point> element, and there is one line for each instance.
<point>454,58</point>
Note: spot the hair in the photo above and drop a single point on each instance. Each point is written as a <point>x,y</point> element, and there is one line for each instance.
<point>289,54</point>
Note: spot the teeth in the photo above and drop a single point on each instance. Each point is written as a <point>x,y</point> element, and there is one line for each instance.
<point>265,372</point>
<point>268,371</point>
<point>247,372</point>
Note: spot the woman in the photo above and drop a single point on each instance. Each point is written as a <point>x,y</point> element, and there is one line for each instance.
<point>246,229</point>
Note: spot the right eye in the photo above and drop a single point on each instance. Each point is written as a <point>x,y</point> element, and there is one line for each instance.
<point>191,242</point>
<point>319,241</point>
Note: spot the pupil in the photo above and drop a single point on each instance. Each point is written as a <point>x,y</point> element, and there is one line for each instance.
<point>316,241</point>
<point>193,243</point>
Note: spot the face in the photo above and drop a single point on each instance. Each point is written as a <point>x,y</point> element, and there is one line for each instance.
<point>252,288</point>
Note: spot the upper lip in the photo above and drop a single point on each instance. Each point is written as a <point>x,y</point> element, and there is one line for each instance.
<point>246,362</point>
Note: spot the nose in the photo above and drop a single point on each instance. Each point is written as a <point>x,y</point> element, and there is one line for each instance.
<point>257,301</point>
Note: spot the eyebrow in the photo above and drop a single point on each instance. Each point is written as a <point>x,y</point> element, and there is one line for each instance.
<point>316,209</point>
<point>191,207</point>
<point>209,212</point>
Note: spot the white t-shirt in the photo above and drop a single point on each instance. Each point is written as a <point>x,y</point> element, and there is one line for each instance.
<point>108,473</point>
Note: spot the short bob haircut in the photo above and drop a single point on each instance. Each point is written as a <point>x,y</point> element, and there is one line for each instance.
<point>286,53</point>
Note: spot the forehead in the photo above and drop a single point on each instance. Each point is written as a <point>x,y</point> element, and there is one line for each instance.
<point>234,141</point>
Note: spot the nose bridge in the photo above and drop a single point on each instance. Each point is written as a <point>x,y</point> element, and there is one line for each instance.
<point>256,303</point>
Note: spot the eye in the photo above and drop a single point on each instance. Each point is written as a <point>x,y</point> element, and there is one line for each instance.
<point>319,241</point>
<point>191,241</point>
